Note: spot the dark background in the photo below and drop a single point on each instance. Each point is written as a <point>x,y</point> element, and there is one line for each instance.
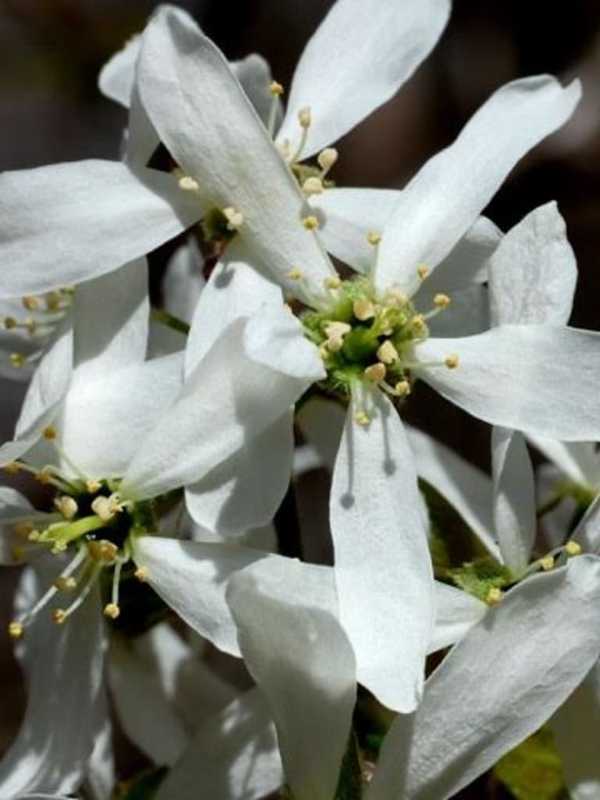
<point>50,110</point>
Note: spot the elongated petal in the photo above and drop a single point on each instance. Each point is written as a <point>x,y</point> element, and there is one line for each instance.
<point>250,377</point>
<point>439,205</point>
<point>234,289</point>
<point>303,662</point>
<point>237,496</point>
<point>254,75</point>
<point>183,77</point>
<point>504,679</point>
<point>15,508</point>
<point>116,77</point>
<point>455,614</point>
<point>535,378</point>
<point>184,282</point>
<point>467,315</point>
<point>532,274</point>
<point>382,562</point>
<point>192,577</point>
<point>110,321</point>
<point>233,756</point>
<point>514,498</point>
<point>587,532</point>
<point>85,218</point>
<point>577,460</point>
<point>464,486</point>
<point>103,420</point>
<point>322,422</point>
<point>56,736</point>
<point>576,728</point>
<point>364,50</point>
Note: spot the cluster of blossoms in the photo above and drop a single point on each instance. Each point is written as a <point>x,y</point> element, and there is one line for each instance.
<point>162,441</point>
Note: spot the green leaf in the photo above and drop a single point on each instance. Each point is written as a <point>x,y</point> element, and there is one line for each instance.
<point>533,770</point>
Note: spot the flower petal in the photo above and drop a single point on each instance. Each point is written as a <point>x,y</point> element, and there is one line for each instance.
<point>51,750</point>
<point>514,498</point>
<point>184,282</point>
<point>182,77</point>
<point>502,681</point>
<point>438,206</point>
<point>254,75</point>
<point>237,496</point>
<point>322,422</point>
<point>465,487</point>
<point>233,756</point>
<point>532,274</point>
<point>302,661</point>
<point>361,54</point>
<point>455,614</point>
<point>467,315</point>
<point>535,378</point>
<point>587,532</point>
<point>578,460</point>
<point>117,76</point>
<point>192,577</point>
<point>85,218</point>
<point>382,563</point>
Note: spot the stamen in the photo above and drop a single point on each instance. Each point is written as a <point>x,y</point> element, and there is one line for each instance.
<point>15,630</point>
<point>452,361</point>
<point>363,309</point>
<point>312,186</point>
<point>333,282</point>
<point>373,238</point>
<point>572,548</point>
<point>396,297</point>
<point>188,184</point>
<point>276,90</point>
<point>441,300</point>
<point>9,323</point>
<point>112,609</point>
<point>546,563</point>
<point>362,418</point>
<point>387,352</point>
<point>93,486</point>
<point>142,574</point>
<point>235,219</point>
<point>311,222</point>
<point>494,596</point>
<point>335,332</point>
<point>305,119</point>
<point>326,159</point>
<point>18,360</point>
<point>67,506</point>
<point>30,303</point>
<point>295,274</point>
<point>375,373</point>
<point>61,615</point>
<point>423,271</point>
<point>103,551</point>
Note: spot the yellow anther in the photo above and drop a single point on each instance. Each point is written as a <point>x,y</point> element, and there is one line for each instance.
<point>52,300</point>
<point>327,158</point>
<point>335,332</point>
<point>333,282</point>
<point>23,529</point>
<point>142,574</point>
<point>276,89</point>
<point>363,309</point>
<point>402,388</point>
<point>67,506</point>
<point>387,353</point>
<point>295,274</point>
<point>31,303</point>
<point>452,361</point>
<point>107,507</point>
<point>44,476</point>
<point>311,223</point>
<point>373,238</point>
<point>49,433</point>
<point>375,373</point>
<point>103,550</point>
<point>9,323</point>
<point>572,548</point>
<point>235,218</point>
<point>312,186</point>
<point>362,418</point>
<point>546,563</point>
<point>418,325</point>
<point>188,184</point>
<point>441,301</point>
<point>304,117</point>
<point>34,536</point>
<point>422,271</point>
<point>111,610</point>
<point>494,596</point>
<point>396,297</point>
<point>59,615</point>
<point>65,584</point>
<point>93,486</point>
<point>17,360</point>
<point>12,468</point>
<point>58,547</point>
<point>15,630</point>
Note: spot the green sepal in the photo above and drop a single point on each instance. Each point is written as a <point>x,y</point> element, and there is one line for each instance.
<point>533,770</point>
<point>478,577</point>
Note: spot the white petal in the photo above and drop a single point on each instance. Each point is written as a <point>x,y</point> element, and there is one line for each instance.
<point>576,728</point>
<point>438,206</point>
<point>455,614</point>
<point>101,773</point>
<point>56,737</point>
<point>303,662</point>
<point>466,488</point>
<point>104,420</point>
<point>467,315</point>
<point>322,422</point>
<point>587,532</point>
<point>141,138</point>
<point>382,562</point>
<point>110,321</point>
<point>85,218</point>
<point>254,75</point>
<point>14,508</point>
<point>360,55</point>
<point>237,496</point>
<point>514,498</point>
<point>532,274</point>
<point>234,290</point>
<point>182,76</point>
<point>117,75</point>
<point>578,460</point>
<point>192,577</point>
<point>535,378</point>
<point>233,756</point>
<point>183,282</point>
<point>504,679</point>
<point>250,377</point>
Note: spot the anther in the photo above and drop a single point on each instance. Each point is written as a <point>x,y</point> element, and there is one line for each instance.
<point>441,301</point>
<point>12,468</point>
<point>111,610</point>
<point>311,223</point>
<point>333,282</point>
<point>546,563</point>
<point>18,360</point>
<point>295,274</point>
<point>107,507</point>
<point>362,418</point>
<point>9,323</point>
<point>65,583</point>
<point>375,373</point>
<point>67,506</point>
<point>387,353</point>
<point>335,332</point>
<point>276,89</point>
<point>31,303</point>
<point>373,238</point>
<point>363,309</point>
<point>235,219</point>
<point>572,548</point>
<point>103,550</point>
<point>49,433</point>
<point>305,117</point>
<point>402,388</point>
<point>59,615</point>
<point>494,596</point>
<point>93,486</point>
<point>418,325</point>
<point>52,300</point>
<point>15,630</point>
<point>312,186</point>
<point>422,271</point>
<point>396,297</point>
<point>142,574</point>
<point>326,159</point>
<point>452,361</point>
<point>188,184</point>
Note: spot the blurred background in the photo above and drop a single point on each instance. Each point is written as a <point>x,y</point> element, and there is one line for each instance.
<point>50,110</point>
